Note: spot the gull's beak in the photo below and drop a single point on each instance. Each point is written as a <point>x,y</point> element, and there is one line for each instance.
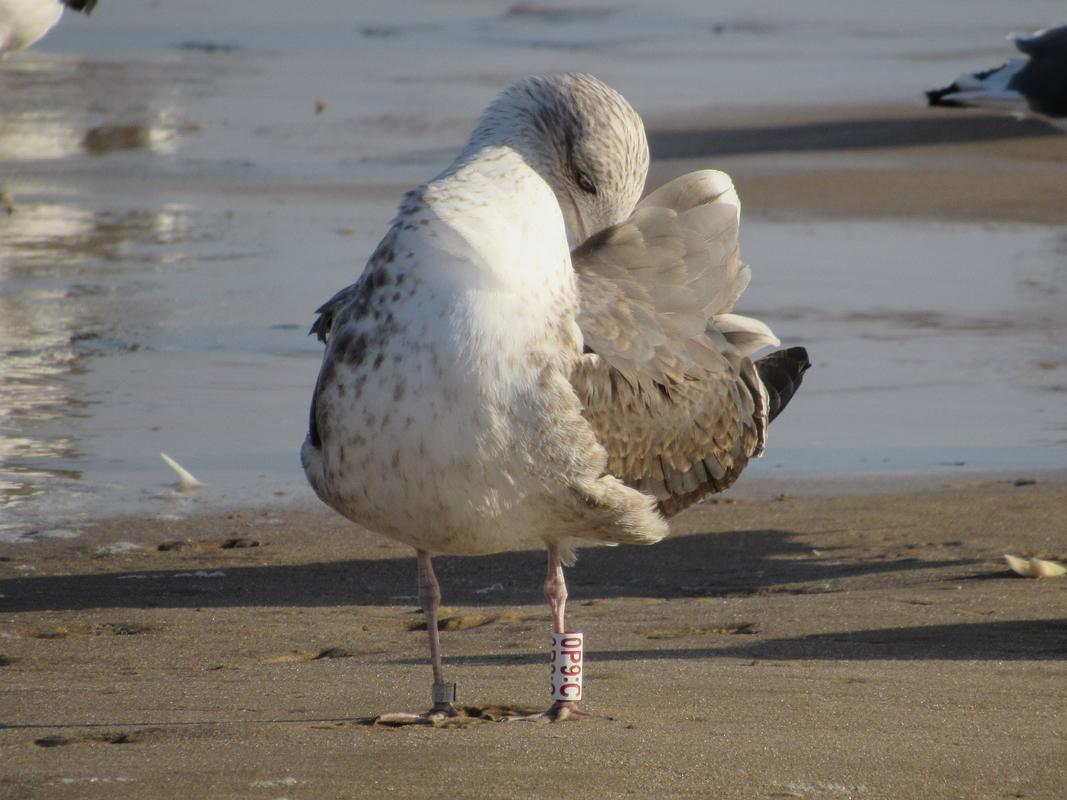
<point>576,232</point>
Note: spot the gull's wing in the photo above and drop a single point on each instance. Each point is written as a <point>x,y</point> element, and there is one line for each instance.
<point>666,382</point>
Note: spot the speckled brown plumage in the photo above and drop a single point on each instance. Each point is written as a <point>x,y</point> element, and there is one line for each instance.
<point>666,382</point>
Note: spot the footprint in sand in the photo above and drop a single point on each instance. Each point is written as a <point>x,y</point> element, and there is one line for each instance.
<point>462,622</point>
<point>234,543</point>
<point>94,738</point>
<point>296,656</point>
<point>466,716</point>
<point>65,631</point>
<point>686,631</point>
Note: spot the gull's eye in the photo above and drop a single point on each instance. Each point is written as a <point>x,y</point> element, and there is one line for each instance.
<point>583,182</point>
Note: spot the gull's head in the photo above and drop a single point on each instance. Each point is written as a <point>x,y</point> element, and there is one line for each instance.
<point>582,137</point>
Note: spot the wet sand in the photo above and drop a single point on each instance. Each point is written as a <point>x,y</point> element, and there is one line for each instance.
<point>884,161</point>
<point>857,646</point>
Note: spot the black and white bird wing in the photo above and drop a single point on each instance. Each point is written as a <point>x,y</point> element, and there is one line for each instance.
<point>991,87</point>
<point>1037,83</point>
<point>1043,79</point>
<point>666,381</point>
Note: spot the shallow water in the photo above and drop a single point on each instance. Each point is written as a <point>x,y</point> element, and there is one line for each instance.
<point>189,184</point>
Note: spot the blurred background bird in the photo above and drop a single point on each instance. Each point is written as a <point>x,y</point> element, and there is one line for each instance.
<point>23,22</point>
<point>1036,84</point>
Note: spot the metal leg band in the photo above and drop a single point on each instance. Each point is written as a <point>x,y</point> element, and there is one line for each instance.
<point>444,693</point>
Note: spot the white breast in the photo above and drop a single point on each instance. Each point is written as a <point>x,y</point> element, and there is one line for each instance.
<point>432,438</point>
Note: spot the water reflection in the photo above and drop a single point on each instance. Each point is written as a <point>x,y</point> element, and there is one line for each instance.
<point>33,136</point>
<point>68,277</point>
<point>58,108</point>
<point>52,238</point>
<point>84,276</point>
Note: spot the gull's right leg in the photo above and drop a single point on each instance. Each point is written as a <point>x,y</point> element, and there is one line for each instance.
<point>444,694</point>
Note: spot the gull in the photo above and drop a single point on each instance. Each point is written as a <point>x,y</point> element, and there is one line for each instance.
<point>23,22</point>
<point>484,388</point>
<point>1036,84</point>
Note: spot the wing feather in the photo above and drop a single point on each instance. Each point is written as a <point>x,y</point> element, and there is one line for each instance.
<point>666,383</point>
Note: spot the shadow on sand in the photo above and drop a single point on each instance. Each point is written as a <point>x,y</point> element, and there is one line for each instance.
<point>1003,640</point>
<point>845,135</point>
<point>698,565</point>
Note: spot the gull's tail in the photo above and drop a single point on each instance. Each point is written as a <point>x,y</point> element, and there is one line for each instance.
<point>781,373</point>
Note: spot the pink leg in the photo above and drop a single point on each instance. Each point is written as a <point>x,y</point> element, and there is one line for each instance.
<point>556,590</point>
<point>556,597</point>
<point>430,600</point>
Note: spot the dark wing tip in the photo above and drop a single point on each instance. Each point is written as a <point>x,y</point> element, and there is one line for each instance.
<point>313,430</point>
<point>84,6</point>
<point>941,97</point>
<point>321,327</point>
<point>322,324</point>
<point>782,373</point>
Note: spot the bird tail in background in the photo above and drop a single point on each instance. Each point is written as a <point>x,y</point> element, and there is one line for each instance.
<point>85,6</point>
<point>944,96</point>
<point>992,87</point>
<point>781,373</point>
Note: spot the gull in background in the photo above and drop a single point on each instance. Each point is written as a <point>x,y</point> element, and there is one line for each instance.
<point>484,388</point>
<point>23,22</point>
<point>1036,84</point>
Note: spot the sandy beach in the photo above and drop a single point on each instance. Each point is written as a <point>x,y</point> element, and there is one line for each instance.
<point>886,161</point>
<point>854,646</point>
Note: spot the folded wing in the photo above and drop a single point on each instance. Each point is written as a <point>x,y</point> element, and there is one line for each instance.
<point>666,382</point>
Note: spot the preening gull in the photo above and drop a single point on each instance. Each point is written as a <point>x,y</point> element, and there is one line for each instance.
<point>23,22</point>
<point>1037,83</point>
<point>484,388</point>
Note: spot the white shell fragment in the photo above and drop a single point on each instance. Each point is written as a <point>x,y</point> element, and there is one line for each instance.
<point>1035,567</point>
<point>186,481</point>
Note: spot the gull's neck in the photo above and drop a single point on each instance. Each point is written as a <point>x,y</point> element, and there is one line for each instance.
<point>507,130</point>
